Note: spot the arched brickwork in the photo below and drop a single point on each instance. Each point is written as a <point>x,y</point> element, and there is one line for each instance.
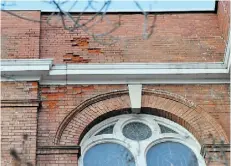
<point>160,103</point>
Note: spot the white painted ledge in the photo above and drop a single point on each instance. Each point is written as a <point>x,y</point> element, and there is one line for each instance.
<point>25,69</point>
<point>25,64</point>
<point>46,73</point>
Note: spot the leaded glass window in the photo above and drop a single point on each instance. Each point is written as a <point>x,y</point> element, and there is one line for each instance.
<point>138,140</point>
<point>107,130</point>
<point>165,129</point>
<point>171,154</point>
<point>108,154</point>
<point>137,131</point>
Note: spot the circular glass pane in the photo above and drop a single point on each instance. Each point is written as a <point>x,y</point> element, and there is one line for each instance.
<point>171,154</point>
<point>137,131</point>
<point>108,154</point>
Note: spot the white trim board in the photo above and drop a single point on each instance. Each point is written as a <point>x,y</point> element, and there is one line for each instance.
<point>116,82</point>
<point>25,69</point>
<point>46,73</point>
<point>188,65</point>
<point>115,74</point>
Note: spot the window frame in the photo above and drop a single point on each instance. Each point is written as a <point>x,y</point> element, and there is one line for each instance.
<point>139,149</point>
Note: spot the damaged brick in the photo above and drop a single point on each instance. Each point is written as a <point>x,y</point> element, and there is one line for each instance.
<point>74,58</point>
<point>80,41</point>
<point>94,50</point>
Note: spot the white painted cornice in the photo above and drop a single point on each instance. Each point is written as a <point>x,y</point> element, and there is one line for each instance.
<point>26,62</point>
<point>25,69</point>
<point>136,69</point>
<point>188,65</point>
<point>137,73</point>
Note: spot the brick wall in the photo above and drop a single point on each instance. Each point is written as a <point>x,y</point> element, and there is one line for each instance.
<point>19,90</point>
<point>214,99</point>
<point>58,101</point>
<point>57,160</point>
<point>16,122</point>
<point>18,117</point>
<point>223,13</point>
<point>19,37</point>
<point>175,38</point>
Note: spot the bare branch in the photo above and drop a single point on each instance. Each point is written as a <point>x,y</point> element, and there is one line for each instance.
<point>16,15</point>
<point>92,21</point>
<point>73,5</point>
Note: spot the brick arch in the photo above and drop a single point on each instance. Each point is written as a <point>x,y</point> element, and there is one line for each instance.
<point>157,102</point>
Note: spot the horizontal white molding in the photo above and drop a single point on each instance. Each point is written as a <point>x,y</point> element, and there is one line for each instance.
<point>135,71</point>
<point>26,64</point>
<point>20,78</point>
<point>118,82</point>
<point>23,62</point>
<point>46,73</point>
<point>25,69</point>
<point>106,66</point>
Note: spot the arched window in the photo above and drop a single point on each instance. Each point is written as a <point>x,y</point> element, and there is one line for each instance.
<point>139,140</point>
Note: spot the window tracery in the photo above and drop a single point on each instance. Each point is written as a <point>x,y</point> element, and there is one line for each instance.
<point>139,140</point>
